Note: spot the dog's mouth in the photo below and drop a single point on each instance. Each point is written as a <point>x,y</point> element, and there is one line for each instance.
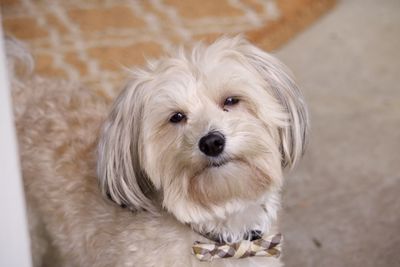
<point>218,163</point>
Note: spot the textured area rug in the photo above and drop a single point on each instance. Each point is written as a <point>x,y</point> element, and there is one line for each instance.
<point>92,41</point>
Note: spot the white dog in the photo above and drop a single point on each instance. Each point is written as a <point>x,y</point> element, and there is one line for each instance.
<point>192,152</point>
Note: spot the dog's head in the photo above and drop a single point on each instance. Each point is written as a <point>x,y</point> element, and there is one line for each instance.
<point>203,129</point>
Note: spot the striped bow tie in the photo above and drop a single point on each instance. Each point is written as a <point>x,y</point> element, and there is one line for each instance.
<point>267,246</point>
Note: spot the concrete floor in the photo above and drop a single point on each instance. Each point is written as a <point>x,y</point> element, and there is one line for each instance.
<point>342,204</point>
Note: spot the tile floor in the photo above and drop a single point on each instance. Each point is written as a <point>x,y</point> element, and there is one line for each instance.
<point>342,204</point>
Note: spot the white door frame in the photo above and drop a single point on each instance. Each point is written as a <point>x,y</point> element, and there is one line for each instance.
<point>14,236</point>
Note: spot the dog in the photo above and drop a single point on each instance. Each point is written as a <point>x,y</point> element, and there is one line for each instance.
<point>191,152</point>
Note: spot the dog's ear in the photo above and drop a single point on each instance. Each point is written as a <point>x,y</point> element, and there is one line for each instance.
<point>293,134</point>
<point>119,170</point>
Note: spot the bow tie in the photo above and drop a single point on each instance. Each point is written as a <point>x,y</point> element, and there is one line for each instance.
<point>267,246</point>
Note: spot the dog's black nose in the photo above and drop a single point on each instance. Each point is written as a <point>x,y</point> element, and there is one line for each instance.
<point>212,144</point>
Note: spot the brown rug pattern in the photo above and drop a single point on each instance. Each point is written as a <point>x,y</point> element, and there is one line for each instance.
<point>92,41</point>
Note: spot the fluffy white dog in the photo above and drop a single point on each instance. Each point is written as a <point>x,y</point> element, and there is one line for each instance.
<point>192,152</point>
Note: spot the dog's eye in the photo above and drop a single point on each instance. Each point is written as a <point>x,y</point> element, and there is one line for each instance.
<point>230,101</point>
<point>177,117</point>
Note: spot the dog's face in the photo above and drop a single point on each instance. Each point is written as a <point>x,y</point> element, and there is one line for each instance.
<point>209,131</point>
